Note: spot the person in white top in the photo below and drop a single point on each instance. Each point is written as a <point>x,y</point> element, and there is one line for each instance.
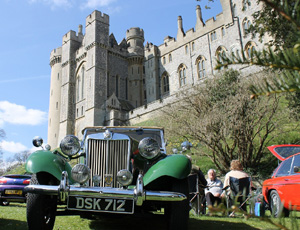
<point>213,188</point>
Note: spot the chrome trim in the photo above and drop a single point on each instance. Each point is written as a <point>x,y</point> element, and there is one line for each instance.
<point>138,194</point>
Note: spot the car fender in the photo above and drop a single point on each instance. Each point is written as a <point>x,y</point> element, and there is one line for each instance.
<point>46,161</point>
<point>176,166</point>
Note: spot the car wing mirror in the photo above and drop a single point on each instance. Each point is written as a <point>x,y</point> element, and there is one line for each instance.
<point>296,169</point>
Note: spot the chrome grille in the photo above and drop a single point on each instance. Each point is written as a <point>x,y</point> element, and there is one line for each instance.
<point>107,157</point>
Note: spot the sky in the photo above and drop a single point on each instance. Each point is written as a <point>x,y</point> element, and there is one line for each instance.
<point>31,29</point>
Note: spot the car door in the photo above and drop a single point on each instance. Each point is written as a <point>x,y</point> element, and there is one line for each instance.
<point>288,182</point>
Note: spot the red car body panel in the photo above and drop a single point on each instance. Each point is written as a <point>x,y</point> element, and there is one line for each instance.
<point>287,186</point>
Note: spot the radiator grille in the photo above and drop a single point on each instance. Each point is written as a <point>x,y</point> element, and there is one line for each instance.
<point>107,157</point>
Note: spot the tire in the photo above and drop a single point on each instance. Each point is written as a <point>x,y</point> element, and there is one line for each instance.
<point>177,213</point>
<point>276,206</point>
<point>41,209</point>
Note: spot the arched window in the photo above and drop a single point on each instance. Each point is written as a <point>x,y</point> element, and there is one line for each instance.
<point>200,62</point>
<point>82,83</point>
<point>182,75</point>
<point>246,25</point>
<point>77,87</point>
<point>250,48</point>
<point>165,84</point>
<point>220,52</point>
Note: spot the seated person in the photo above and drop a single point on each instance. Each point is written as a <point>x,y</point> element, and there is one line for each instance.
<point>236,172</point>
<point>213,189</point>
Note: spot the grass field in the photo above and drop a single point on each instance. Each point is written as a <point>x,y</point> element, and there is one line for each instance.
<point>13,217</point>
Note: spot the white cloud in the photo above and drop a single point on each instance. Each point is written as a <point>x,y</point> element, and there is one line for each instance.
<point>54,3</point>
<point>92,4</point>
<point>12,147</point>
<point>20,115</point>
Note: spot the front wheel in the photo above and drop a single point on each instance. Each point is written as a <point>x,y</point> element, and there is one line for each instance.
<point>276,205</point>
<point>177,213</point>
<point>41,209</point>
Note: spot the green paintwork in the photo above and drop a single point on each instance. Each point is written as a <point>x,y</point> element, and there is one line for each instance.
<point>46,161</point>
<point>177,166</point>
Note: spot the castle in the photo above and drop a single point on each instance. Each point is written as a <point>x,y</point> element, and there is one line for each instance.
<point>96,81</point>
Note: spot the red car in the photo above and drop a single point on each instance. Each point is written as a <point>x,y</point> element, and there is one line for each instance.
<point>281,191</point>
<point>12,188</point>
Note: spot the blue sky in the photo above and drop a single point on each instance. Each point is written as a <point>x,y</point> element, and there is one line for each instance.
<point>30,29</point>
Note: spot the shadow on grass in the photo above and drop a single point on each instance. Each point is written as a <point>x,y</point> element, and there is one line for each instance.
<point>12,224</point>
<point>158,222</point>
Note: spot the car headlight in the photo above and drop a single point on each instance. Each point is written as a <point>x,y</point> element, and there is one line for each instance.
<point>81,173</point>
<point>70,145</point>
<point>124,177</point>
<point>149,148</point>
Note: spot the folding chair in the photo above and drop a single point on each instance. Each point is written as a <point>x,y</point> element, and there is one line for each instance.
<point>239,192</point>
<point>196,193</point>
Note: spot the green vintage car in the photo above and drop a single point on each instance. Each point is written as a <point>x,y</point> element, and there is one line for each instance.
<point>120,170</point>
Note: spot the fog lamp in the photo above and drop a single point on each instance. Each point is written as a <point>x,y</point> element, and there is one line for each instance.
<point>70,145</point>
<point>124,177</point>
<point>149,148</point>
<point>81,173</point>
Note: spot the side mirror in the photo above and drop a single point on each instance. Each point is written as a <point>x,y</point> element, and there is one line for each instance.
<point>296,169</point>
<point>37,141</point>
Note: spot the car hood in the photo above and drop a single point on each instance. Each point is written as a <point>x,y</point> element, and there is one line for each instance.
<point>284,151</point>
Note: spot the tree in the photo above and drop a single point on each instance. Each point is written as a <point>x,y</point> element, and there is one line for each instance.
<point>21,157</point>
<point>2,135</point>
<point>225,122</point>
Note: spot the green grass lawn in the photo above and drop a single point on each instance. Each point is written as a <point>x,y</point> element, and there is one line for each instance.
<point>13,217</point>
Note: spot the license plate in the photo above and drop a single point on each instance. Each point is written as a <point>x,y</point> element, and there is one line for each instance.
<point>100,204</point>
<point>13,192</point>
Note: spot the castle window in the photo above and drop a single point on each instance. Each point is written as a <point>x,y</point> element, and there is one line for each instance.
<point>76,112</point>
<point>201,67</point>
<point>164,60</point>
<point>220,52</point>
<point>250,48</point>
<point>82,83</point>
<point>213,36</point>
<point>182,75</point>
<point>193,46</point>
<point>165,84</point>
<point>126,88</point>
<point>246,25</point>
<point>170,57</point>
<point>56,105</point>
<point>81,110</point>
<point>223,31</point>
<point>246,4</point>
<point>77,88</point>
<point>186,49</point>
<point>57,76</point>
<point>117,86</point>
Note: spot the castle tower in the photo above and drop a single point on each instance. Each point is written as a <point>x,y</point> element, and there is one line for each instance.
<point>55,94</point>
<point>96,45</point>
<point>135,40</point>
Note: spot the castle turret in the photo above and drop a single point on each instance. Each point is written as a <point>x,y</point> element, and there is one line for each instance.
<point>55,94</point>
<point>135,40</point>
<point>180,31</point>
<point>199,20</point>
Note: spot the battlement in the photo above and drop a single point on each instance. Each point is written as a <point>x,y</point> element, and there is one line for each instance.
<point>135,32</point>
<point>55,52</point>
<point>97,15</point>
<point>71,35</point>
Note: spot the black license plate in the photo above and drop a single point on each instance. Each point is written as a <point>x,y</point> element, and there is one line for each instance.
<point>100,204</point>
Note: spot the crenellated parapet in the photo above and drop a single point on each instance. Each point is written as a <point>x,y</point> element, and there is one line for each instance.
<point>55,56</point>
<point>98,16</point>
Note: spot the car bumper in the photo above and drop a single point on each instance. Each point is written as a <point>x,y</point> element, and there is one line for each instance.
<point>139,195</point>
